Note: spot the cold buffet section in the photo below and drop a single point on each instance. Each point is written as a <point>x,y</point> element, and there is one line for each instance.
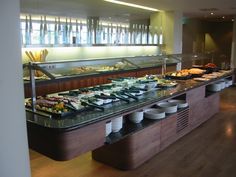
<point>128,119</point>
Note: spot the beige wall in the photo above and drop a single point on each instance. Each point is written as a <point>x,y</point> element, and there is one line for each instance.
<point>171,23</point>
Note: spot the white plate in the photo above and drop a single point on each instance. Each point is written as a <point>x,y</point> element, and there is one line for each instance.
<point>180,103</point>
<point>168,107</point>
<point>153,113</point>
<point>201,79</point>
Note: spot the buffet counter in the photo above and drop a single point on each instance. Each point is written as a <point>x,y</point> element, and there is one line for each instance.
<point>66,138</point>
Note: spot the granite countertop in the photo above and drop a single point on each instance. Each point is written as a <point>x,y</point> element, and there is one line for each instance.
<point>116,109</point>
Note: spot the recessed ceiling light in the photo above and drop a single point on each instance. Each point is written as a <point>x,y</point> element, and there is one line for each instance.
<point>132,5</point>
<point>212,13</point>
<point>223,17</point>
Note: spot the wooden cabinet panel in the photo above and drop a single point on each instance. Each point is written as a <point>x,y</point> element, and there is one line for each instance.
<point>195,95</point>
<point>132,151</point>
<point>212,104</point>
<point>66,145</point>
<point>197,113</point>
<point>168,131</point>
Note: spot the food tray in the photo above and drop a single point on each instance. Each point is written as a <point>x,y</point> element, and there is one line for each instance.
<point>54,114</point>
<point>178,77</point>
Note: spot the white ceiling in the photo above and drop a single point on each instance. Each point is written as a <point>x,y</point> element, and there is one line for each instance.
<point>83,8</point>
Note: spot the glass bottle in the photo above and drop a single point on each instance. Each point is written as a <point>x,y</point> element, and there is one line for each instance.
<point>70,39</point>
<point>144,34</point>
<point>27,36</point>
<point>55,32</point>
<point>133,35</point>
<point>41,32</point>
<point>150,35</point>
<point>78,31</point>
<point>155,36</point>
<point>45,31</point>
<point>127,35</point>
<point>60,32</point>
<point>161,37</point>
<point>98,32</point>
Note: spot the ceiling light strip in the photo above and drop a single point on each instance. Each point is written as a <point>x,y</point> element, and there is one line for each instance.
<point>132,5</point>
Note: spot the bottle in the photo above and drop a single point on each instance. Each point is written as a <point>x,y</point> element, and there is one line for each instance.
<point>60,32</point>
<point>161,38</point>
<point>155,36</point>
<point>55,32</point>
<point>144,35</point>
<point>41,35</point>
<point>150,35</point>
<point>45,31</point>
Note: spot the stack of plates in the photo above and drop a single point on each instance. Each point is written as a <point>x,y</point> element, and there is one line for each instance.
<point>153,113</point>
<point>214,87</point>
<point>117,124</point>
<point>228,83</point>
<point>108,128</point>
<point>222,83</point>
<point>136,117</point>
<point>180,103</point>
<point>168,107</point>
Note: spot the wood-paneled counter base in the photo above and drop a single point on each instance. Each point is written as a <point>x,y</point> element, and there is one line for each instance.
<point>66,145</point>
<point>137,148</point>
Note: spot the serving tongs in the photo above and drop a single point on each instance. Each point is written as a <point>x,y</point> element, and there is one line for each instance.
<point>104,97</point>
<point>70,93</point>
<point>128,93</point>
<point>117,95</point>
<point>90,104</point>
<point>70,106</point>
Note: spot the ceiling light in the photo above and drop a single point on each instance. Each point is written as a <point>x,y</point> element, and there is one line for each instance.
<point>232,20</point>
<point>223,17</point>
<point>132,5</point>
<point>212,13</point>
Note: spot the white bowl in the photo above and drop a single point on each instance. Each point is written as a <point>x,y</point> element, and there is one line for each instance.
<point>151,85</point>
<point>168,107</point>
<point>136,117</point>
<point>141,86</point>
<point>153,113</point>
<point>222,83</point>
<point>180,103</point>
<point>228,82</point>
<point>117,124</point>
<point>214,87</point>
<point>108,128</point>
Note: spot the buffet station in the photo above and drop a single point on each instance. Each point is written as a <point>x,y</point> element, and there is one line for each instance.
<point>126,121</point>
